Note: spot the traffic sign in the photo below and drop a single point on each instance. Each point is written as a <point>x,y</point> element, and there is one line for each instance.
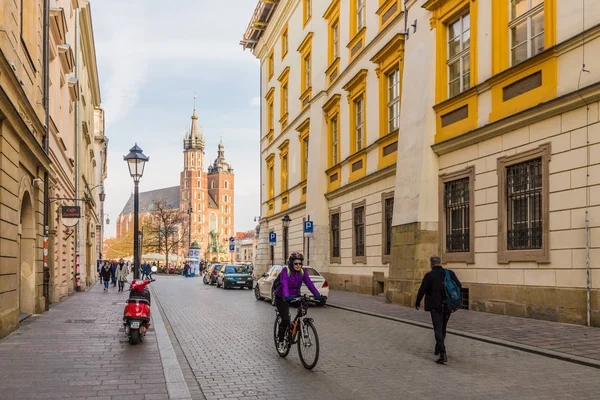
<point>308,228</point>
<point>231,239</point>
<point>231,247</point>
<point>272,238</point>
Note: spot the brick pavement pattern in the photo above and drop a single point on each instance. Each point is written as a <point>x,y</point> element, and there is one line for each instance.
<point>78,350</point>
<point>227,338</point>
<point>576,340</point>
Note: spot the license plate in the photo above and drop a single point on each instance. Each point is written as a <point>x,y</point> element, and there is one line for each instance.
<point>135,324</point>
<point>241,281</point>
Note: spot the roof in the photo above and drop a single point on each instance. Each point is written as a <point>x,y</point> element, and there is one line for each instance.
<point>258,23</point>
<point>211,202</point>
<point>170,195</point>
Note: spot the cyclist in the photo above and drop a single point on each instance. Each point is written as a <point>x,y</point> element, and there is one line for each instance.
<point>291,279</point>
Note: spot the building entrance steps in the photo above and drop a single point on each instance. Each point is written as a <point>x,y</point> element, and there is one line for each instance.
<point>575,343</point>
<point>79,349</point>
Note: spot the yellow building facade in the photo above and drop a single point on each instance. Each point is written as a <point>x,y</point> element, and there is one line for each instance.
<point>330,74</point>
<point>492,162</point>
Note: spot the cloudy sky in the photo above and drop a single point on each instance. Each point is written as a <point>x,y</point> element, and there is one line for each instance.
<point>153,56</point>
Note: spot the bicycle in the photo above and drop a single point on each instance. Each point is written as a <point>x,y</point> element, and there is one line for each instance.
<point>301,331</point>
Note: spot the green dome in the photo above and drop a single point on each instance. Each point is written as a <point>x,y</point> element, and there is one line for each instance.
<point>195,245</point>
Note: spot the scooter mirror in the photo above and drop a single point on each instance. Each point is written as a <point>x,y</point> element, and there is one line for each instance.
<point>154,269</point>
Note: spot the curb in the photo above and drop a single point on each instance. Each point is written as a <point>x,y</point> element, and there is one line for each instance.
<point>176,386</point>
<point>500,342</point>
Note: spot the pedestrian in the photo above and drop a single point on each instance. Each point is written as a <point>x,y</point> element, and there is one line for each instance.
<point>143,270</point>
<point>99,269</point>
<point>105,273</point>
<point>186,268</point>
<point>113,275</point>
<point>432,287</point>
<point>122,273</point>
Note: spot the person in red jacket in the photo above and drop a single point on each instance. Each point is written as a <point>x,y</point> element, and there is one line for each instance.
<point>291,279</point>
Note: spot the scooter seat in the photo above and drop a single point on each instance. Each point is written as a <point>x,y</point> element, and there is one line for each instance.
<point>138,299</point>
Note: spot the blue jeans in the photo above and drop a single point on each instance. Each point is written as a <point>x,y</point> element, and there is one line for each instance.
<point>105,284</point>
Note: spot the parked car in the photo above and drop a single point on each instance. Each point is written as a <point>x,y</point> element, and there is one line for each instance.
<point>234,276</point>
<point>264,286</point>
<point>214,274</point>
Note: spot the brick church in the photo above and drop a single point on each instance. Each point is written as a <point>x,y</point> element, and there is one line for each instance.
<point>209,194</point>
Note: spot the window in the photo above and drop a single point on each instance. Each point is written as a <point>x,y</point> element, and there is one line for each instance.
<point>307,76</point>
<point>226,198</point>
<point>526,28</point>
<point>393,105</point>
<point>284,42</point>
<point>457,212</point>
<point>459,55</point>
<point>387,215</point>
<point>285,98</point>
<point>270,161</point>
<point>306,11</point>
<point>336,39</point>
<point>524,205</point>
<point>358,136</point>
<point>226,184</point>
<point>284,101</point>
<point>28,28</point>
<point>305,163</point>
<point>212,185</point>
<point>356,89</point>
<point>271,65</point>
<point>360,14</point>
<point>270,98</point>
<point>334,226</point>
<point>334,141</point>
<point>523,212</point>
<point>284,173</point>
<point>358,239</point>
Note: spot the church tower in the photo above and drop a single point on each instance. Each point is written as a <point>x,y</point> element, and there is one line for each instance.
<point>193,182</point>
<point>221,191</point>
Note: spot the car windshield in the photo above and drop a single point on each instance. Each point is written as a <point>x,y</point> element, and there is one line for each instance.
<point>217,267</point>
<point>276,270</point>
<point>311,271</point>
<point>235,270</point>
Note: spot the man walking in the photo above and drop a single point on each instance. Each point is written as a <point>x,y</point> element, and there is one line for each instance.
<point>432,287</point>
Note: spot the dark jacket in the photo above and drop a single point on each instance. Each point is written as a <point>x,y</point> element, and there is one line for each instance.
<point>432,287</point>
<point>106,272</point>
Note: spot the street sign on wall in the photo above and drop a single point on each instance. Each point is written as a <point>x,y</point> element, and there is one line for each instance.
<point>231,247</point>
<point>308,228</point>
<point>272,239</point>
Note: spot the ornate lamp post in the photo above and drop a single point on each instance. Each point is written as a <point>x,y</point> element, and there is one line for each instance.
<point>136,160</point>
<point>286,224</point>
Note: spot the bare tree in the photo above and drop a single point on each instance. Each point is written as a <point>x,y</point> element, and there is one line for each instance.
<point>167,228</point>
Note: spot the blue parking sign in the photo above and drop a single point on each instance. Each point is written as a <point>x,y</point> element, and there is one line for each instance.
<point>272,238</point>
<point>231,247</point>
<point>308,227</point>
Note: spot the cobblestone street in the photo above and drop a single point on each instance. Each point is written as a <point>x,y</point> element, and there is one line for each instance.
<point>226,337</point>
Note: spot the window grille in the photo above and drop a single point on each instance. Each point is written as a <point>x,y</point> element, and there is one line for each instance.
<point>359,232</point>
<point>524,205</point>
<point>389,213</point>
<point>456,207</point>
<point>335,235</point>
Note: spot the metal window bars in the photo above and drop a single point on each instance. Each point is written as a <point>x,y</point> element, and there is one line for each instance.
<point>456,207</point>
<point>359,232</point>
<point>335,235</point>
<point>524,205</point>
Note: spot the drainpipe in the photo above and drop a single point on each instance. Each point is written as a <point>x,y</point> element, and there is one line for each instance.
<point>46,104</point>
<point>77,134</point>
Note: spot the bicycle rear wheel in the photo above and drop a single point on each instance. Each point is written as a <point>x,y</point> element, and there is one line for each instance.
<point>308,345</point>
<point>286,341</point>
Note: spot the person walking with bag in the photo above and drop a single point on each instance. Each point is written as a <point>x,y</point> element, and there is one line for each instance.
<point>441,289</point>
<point>122,273</point>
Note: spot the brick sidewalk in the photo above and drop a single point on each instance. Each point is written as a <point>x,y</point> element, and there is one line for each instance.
<point>79,350</point>
<point>571,342</point>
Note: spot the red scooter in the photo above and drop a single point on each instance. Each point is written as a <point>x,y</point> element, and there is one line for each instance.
<point>136,317</point>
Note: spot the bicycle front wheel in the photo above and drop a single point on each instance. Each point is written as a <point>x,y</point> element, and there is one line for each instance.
<point>308,345</point>
<point>284,351</point>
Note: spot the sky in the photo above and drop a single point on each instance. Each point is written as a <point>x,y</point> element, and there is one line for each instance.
<point>153,57</point>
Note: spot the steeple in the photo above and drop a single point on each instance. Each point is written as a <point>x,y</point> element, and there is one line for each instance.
<point>195,139</point>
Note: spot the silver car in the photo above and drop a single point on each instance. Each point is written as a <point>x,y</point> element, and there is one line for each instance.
<point>264,286</point>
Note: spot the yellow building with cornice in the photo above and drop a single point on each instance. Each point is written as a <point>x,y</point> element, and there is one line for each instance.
<point>330,72</point>
<point>492,160</point>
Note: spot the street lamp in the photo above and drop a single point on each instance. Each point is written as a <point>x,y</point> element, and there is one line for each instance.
<point>286,224</point>
<point>136,160</point>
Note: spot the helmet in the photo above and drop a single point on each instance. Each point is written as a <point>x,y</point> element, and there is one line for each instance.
<point>295,256</point>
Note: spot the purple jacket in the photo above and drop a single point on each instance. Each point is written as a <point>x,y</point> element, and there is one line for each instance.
<point>290,286</point>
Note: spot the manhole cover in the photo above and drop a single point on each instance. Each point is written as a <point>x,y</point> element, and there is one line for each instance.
<point>80,321</point>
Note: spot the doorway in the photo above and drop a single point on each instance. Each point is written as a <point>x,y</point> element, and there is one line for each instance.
<point>27,273</point>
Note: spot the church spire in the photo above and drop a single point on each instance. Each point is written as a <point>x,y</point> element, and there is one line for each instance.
<point>195,140</point>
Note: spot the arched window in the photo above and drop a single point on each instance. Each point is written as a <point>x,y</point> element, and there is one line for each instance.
<point>226,184</point>
<point>212,185</point>
<point>199,183</point>
<point>226,198</point>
